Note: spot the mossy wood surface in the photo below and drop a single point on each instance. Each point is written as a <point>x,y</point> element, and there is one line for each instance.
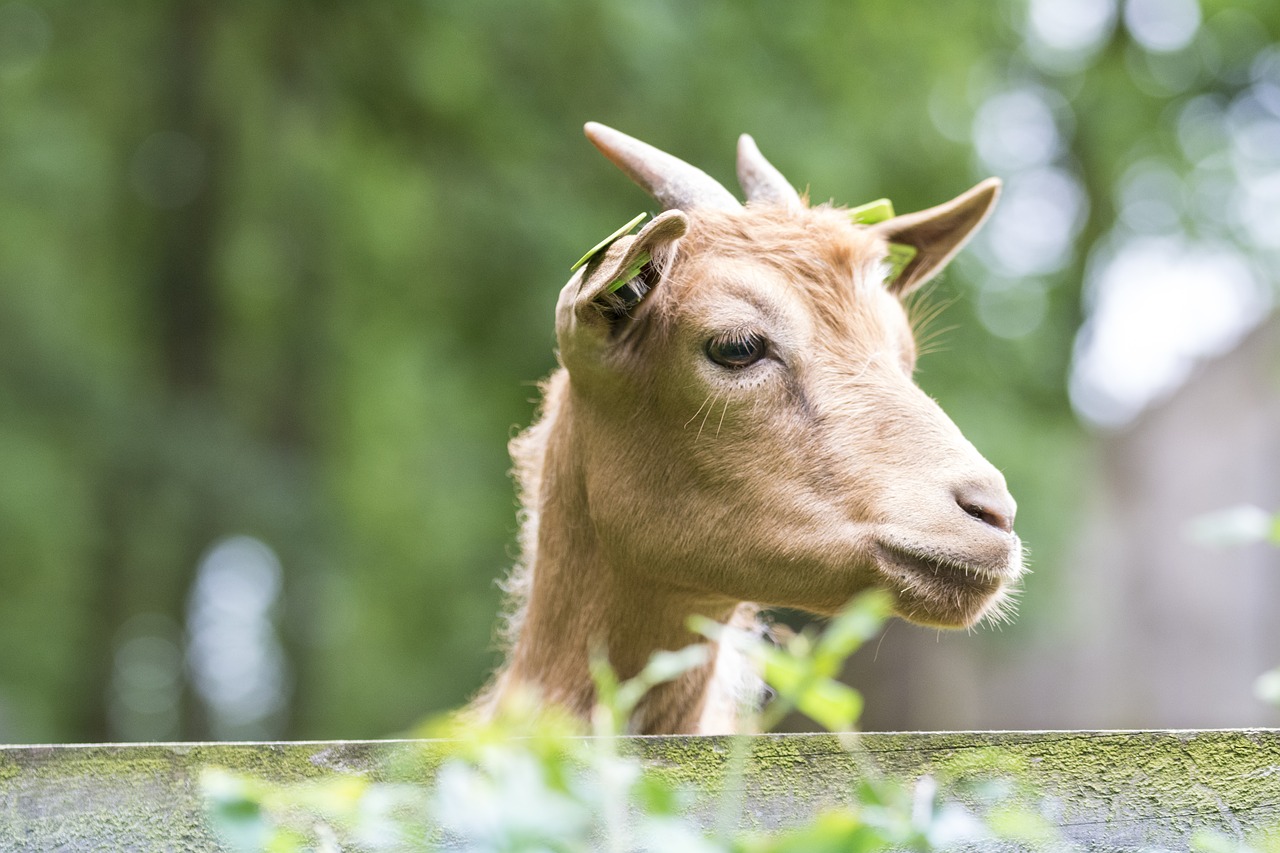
<point>1106,790</point>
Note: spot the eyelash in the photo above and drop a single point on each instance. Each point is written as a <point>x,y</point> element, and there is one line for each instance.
<point>737,350</point>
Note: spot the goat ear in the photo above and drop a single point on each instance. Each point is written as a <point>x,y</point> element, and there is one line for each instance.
<point>617,280</point>
<point>937,234</point>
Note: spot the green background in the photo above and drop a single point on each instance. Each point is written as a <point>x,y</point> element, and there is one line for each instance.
<point>288,270</point>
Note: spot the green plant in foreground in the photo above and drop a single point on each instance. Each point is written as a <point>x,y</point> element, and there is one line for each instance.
<point>529,781</point>
<point>804,670</point>
<point>1208,841</point>
<point>1238,525</point>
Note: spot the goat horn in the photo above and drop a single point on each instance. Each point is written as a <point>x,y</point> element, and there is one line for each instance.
<point>668,179</point>
<point>760,180</point>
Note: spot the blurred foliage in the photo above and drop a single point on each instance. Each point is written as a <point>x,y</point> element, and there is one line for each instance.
<point>527,781</point>
<point>1238,525</point>
<point>288,271</point>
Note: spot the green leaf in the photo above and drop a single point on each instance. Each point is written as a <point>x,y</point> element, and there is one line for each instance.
<point>880,210</point>
<point>340,795</point>
<point>1209,841</point>
<point>665,666</point>
<point>872,212</point>
<point>1022,825</point>
<point>614,701</point>
<point>656,796</point>
<point>622,699</point>
<point>832,832</point>
<point>900,254</point>
<point>832,704</point>
<point>860,620</point>
<point>235,809</point>
<point>630,272</point>
<point>709,628</point>
<point>607,241</point>
<point>1239,525</point>
<point>785,672</point>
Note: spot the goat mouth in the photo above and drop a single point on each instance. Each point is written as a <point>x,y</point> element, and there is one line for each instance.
<point>940,590</point>
<point>923,569</point>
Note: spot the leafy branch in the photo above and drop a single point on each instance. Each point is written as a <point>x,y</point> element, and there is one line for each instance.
<point>528,781</point>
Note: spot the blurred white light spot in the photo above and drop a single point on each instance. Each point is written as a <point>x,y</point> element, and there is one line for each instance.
<point>1150,197</point>
<point>146,679</point>
<point>1201,125</point>
<point>1258,210</point>
<point>1211,195</point>
<point>1266,77</point>
<point>1071,27</point>
<point>1033,226</point>
<point>1162,26</point>
<point>1267,687</point>
<point>168,170</point>
<point>1254,130</point>
<point>1016,130</point>
<point>149,662</point>
<point>1159,305</point>
<point>237,664</point>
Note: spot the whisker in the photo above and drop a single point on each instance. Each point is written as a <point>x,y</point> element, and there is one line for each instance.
<point>928,332</point>
<point>875,657</point>
<point>933,342</point>
<point>722,414</point>
<point>933,335</point>
<point>695,414</point>
<point>922,297</point>
<point>922,318</point>
<point>707,415</point>
<point>932,350</point>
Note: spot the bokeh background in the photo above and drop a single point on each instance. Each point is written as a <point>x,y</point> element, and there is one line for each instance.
<point>276,281</point>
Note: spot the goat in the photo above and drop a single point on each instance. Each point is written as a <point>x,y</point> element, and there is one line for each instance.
<point>734,425</point>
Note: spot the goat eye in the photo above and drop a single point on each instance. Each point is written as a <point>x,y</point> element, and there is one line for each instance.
<point>736,351</point>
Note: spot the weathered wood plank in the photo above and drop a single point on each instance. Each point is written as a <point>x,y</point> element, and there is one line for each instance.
<point>1114,791</point>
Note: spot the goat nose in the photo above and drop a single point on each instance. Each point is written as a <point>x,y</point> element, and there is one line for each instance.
<point>991,506</point>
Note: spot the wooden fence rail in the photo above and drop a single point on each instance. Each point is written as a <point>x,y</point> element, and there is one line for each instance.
<point>1108,791</point>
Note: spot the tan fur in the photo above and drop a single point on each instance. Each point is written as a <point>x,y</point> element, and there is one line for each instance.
<point>657,484</point>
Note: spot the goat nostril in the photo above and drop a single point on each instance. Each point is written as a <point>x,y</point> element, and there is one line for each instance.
<point>986,516</point>
<point>993,510</point>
